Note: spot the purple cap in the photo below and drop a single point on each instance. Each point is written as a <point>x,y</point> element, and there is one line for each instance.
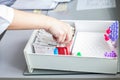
<point>111,54</point>
<point>114,31</point>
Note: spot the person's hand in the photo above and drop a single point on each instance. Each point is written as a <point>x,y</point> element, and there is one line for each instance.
<point>61,31</point>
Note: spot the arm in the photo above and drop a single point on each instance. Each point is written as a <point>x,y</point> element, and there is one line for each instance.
<point>61,31</point>
<point>26,20</point>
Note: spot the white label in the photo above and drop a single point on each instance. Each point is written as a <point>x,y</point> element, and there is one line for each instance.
<point>95,4</point>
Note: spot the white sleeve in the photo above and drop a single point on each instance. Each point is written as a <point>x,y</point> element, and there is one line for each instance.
<point>6,17</point>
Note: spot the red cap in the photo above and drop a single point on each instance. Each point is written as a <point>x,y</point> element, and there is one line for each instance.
<point>106,37</point>
<point>108,31</point>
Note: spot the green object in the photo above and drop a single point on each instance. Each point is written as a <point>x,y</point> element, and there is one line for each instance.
<point>78,54</point>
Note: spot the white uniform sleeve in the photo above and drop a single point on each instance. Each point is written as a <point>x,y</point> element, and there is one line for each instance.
<point>6,17</point>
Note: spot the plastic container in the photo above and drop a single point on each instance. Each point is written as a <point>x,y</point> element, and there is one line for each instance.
<point>71,62</point>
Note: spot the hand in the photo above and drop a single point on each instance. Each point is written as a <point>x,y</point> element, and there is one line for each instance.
<point>62,32</point>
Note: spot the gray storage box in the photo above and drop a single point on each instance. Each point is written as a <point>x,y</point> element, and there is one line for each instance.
<point>70,62</point>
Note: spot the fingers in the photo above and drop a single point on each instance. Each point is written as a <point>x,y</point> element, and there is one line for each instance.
<point>68,38</point>
<point>69,35</point>
<point>62,32</point>
<point>65,37</point>
<point>60,38</point>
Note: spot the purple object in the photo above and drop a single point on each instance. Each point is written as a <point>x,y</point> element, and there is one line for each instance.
<point>111,54</point>
<point>114,28</point>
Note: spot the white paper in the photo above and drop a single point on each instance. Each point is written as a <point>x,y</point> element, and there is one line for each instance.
<point>95,4</point>
<point>34,4</point>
